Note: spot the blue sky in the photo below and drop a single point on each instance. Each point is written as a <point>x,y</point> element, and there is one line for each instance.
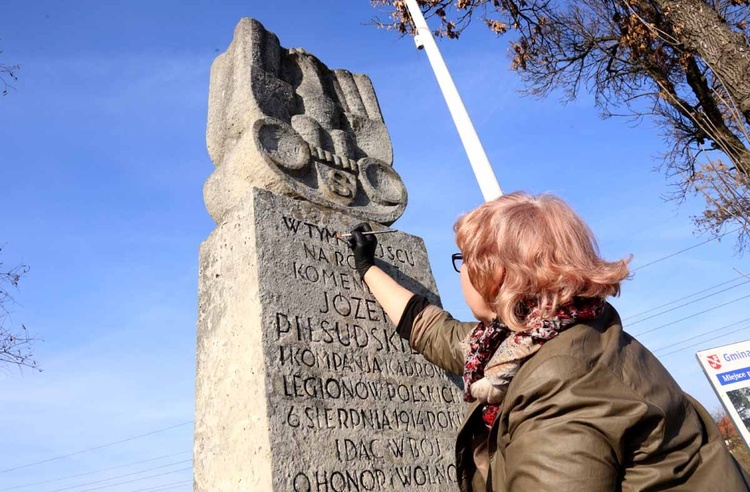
<point>103,155</point>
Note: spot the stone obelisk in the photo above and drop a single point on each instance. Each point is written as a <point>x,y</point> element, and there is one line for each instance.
<point>302,383</point>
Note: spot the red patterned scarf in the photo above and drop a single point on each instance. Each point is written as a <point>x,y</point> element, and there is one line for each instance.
<point>494,352</point>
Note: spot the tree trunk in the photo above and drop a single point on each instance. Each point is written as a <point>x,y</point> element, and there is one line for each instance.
<point>703,31</point>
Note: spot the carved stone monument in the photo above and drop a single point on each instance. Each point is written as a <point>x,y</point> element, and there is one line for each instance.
<point>302,383</point>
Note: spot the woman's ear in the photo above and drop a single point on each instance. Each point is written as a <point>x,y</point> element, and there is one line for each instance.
<point>479,307</point>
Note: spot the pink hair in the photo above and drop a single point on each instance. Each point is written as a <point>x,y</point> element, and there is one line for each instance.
<point>521,246</point>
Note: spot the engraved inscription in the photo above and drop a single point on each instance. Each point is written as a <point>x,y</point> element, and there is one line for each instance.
<point>363,410</point>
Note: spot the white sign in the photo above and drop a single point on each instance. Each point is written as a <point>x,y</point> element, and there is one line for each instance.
<point>728,370</point>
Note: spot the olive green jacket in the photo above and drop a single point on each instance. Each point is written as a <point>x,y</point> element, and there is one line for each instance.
<point>592,410</point>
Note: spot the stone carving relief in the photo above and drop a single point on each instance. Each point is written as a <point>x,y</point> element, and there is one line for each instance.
<point>279,119</point>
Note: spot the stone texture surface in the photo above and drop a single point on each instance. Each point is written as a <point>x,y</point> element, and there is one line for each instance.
<point>231,425</point>
<point>302,383</point>
<point>280,120</point>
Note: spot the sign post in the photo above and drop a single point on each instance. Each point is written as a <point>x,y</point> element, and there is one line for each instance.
<point>728,370</point>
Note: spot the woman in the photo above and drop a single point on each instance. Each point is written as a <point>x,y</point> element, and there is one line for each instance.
<point>563,398</point>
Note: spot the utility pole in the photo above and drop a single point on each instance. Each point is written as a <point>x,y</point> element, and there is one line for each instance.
<point>477,157</point>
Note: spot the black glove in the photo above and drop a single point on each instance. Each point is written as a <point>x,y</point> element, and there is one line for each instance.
<point>363,247</point>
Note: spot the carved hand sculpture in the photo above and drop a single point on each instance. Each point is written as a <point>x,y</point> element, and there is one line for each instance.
<point>279,119</point>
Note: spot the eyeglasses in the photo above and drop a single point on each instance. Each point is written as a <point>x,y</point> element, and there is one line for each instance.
<point>458,260</point>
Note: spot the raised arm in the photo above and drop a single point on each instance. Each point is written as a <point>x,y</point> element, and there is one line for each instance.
<point>430,330</point>
<point>392,296</point>
<point>389,293</point>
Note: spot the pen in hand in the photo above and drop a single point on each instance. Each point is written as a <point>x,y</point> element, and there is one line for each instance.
<point>367,233</point>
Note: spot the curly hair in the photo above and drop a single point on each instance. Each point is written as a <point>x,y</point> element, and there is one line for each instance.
<point>520,246</point>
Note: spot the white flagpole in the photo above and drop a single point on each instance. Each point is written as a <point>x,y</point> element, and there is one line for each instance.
<point>477,157</point>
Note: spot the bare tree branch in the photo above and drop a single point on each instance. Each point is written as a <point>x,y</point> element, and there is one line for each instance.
<point>638,58</point>
<point>15,344</point>
<point>7,75</point>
